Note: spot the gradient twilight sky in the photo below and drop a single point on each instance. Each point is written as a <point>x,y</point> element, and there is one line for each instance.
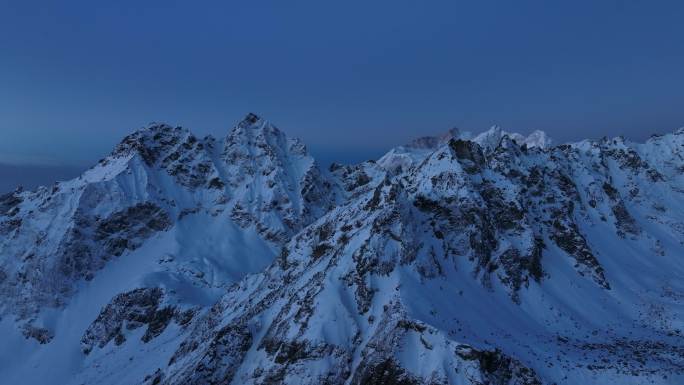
<point>351,78</point>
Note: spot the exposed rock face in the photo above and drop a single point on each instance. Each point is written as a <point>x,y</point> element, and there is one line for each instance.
<point>85,247</point>
<point>42,335</point>
<point>262,162</point>
<point>129,311</point>
<point>496,260</point>
<point>154,177</point>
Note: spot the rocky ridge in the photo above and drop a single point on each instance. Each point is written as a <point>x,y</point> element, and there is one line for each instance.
<point>496,260</point>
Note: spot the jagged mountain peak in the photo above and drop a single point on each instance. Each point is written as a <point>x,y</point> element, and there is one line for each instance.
<point>254,125</point>
<point>403,157</point>
<point>538,139</point>
<point>256,133</point>
<point>266,184</point>
<point>251,120</point>
<point>491,138</point>
<point>419,262</point>
<point>411,154</point>
<point>154,141</point>
<point>432,142</point>
<point>153,133</point>
<point>253,134</point>
<point>236,261</point>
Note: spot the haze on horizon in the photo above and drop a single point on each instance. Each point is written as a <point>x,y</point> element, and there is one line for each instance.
<point>351,79</point>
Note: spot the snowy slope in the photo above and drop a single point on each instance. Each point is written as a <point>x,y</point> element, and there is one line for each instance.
<point>496,260</point>
<point>165,209</point>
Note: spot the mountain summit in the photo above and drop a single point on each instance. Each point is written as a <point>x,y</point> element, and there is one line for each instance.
<point>493,259</point>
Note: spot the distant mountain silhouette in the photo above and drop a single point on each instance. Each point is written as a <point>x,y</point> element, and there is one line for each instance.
<point>32,176</point>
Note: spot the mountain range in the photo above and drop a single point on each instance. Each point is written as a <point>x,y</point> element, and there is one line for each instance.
<point>494,258</point>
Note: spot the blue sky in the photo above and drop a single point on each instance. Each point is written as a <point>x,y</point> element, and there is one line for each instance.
<point>350,78</point>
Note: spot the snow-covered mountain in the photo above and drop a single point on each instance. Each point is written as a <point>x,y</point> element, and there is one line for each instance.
<point>493,259</point>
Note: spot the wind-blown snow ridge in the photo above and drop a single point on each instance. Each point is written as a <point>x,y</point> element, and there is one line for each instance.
<point>402,157</point>
<point>496,260</point>
<point>491,138</point>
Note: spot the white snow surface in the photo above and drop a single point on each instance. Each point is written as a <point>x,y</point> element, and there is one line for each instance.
<point>454,259</point>
<point>491,138</point>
